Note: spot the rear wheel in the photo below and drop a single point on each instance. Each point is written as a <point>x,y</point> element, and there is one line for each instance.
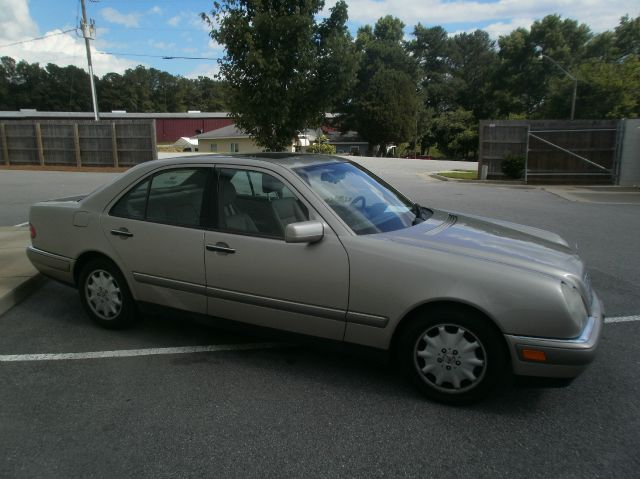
<point>105,295</point>
<point>452,356</point>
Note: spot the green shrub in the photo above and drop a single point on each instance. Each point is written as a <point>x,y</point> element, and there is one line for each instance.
<point>322,146</point>
<point>513,166</point>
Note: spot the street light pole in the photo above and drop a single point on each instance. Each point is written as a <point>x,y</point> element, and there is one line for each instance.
<point>86,33</point>
<point>575,80</point>
<point>573,100</point>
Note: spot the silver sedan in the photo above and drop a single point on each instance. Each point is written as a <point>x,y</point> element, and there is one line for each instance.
<point>319,246</point>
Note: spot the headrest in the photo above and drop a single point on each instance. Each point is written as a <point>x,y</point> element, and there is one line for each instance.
<point>271,184</point>
<point>228,192</point>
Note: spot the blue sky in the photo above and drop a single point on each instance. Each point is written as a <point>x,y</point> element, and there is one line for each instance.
<point>173,28</point>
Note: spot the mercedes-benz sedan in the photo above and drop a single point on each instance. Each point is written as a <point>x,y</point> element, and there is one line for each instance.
<point>318,245</point>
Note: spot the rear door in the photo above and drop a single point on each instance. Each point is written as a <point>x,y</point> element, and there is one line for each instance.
<point>157,231</point>
<point>254,276</point>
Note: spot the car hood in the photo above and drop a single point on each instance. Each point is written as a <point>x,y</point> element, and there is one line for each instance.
<point>492,240</point>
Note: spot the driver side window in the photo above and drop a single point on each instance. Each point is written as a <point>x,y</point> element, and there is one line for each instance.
<point>253,202</point>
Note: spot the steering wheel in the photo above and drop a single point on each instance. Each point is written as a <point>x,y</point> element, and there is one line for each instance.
<point>360,199</point>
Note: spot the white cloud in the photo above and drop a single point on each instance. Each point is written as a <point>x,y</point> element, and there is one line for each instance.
<point>498,29</point>
<point>63,49</point>
<point>215,46</point>
<point>204,70</point>
<point>161,45</point>
<point>156,10</point>
<point>191,19</point>
<point>15,22</point>
<point>127,19</point>
<point>598,14</point>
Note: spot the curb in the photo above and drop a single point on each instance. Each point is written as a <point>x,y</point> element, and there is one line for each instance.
<point>511,184</point>
<point>20,292</point>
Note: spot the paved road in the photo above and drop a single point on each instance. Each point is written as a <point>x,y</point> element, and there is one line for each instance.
<point>296,411</point>
<point>288,412</point>
<point>20,189</point>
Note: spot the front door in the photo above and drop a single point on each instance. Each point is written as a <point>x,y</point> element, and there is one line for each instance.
<point>254,276</point>
<point>157,231</point>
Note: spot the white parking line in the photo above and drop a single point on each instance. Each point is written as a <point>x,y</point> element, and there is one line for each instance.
<point>622,319</point>
<point>21,225</point>
<point>127,353</point>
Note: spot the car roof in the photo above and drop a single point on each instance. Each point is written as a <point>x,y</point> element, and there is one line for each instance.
<point>288,160</point>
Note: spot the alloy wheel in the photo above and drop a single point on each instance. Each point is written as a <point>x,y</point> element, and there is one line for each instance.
<point>450,358</point>
<point>103,295</point>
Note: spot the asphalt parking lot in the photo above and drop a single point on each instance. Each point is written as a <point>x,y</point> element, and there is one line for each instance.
<point>250,409</point>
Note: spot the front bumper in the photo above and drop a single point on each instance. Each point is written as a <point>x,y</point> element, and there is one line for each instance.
<point>565,358</point>
<point>52,265</point>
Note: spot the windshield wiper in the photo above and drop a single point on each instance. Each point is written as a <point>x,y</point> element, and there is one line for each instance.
<point>416,209</point>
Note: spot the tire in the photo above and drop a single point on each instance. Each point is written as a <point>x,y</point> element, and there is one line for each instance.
<point>105,295</point>
<point>454,356</point>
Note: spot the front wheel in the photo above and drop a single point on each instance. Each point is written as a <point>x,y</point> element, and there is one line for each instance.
<point>452,356</point>
<point>105,295</point>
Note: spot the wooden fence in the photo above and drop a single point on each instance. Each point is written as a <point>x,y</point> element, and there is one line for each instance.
<point>555,151</point>
<point>77,143</point>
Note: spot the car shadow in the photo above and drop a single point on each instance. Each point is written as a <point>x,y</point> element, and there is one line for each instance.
<point>57,316</point>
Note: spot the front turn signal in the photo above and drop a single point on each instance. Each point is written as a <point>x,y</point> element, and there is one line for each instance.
<point>533,355</point>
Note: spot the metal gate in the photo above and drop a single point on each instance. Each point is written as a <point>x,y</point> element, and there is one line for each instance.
<point>579,151</point>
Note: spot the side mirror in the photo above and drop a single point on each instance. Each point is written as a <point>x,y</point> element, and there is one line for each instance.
<point>304,232</point>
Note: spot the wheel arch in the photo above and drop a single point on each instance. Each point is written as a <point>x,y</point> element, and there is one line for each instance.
<point>87,256</point>
<point>440,305</point>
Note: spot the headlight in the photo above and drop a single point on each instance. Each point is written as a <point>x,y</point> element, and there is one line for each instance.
<point>575,304</point>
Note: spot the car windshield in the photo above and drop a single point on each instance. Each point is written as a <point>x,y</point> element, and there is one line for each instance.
<point>364,203</point>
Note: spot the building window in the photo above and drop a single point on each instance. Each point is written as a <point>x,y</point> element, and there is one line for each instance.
<point>214,147</point>
<point>234,147</point>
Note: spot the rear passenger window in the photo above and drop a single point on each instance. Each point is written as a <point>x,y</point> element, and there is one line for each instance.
<point>133,203</point>
<point>173,197</point>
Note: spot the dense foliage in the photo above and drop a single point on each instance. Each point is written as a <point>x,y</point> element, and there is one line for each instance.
<point>513,166</point>
<point>54,88</point>
<point>384,103</point>
<point>284,68</point>
<point>322,146</point>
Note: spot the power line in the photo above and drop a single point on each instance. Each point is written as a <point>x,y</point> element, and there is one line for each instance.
<point>164,57</point>
<point>38,38</point>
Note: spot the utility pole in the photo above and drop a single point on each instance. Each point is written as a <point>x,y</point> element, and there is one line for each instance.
<point>541,55</point>
<point>87,32</point>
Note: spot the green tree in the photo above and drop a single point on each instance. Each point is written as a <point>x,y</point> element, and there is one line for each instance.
<point>473,64</point>
<point>7,80</point>
<point>609,90</point>
<point>112,94</point>
<point>627,36</point>
<point>385,112</point>
<point>383,106</point>
<point>431,48</point>
<point>523,81</point>
<point>283,69</point>
<point>456,133</point>
<point>68,87</point>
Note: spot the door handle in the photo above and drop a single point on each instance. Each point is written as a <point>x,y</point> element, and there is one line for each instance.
<point>122,232</point>
<point>220,248</point>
